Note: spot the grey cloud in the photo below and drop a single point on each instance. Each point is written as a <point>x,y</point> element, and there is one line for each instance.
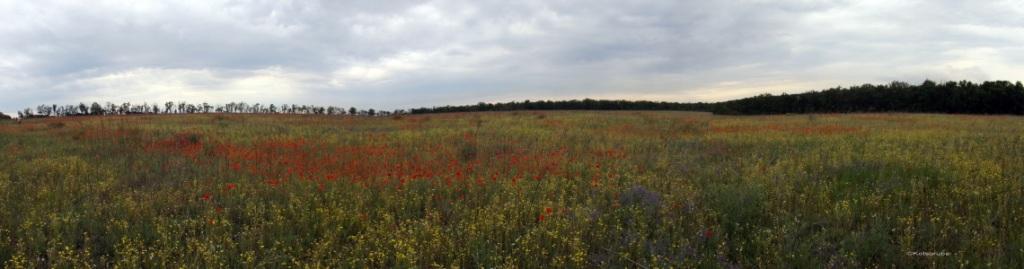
<point>394,54</point>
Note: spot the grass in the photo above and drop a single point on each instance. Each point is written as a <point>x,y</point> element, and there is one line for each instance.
<point>514,189</point>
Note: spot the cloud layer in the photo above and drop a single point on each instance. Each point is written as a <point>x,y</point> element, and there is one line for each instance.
<point>400,54</point>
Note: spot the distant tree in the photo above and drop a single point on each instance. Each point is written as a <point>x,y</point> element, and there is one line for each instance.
<point>43,110</point>
<point>96,109</point>
<point>990,97</point>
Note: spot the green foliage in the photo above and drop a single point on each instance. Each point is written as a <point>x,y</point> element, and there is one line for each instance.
<point>989,97</point>
<point>568,189</point>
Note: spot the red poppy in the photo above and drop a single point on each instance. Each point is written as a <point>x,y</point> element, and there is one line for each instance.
<point>273,182</point>
<point>230,186</point>
<point>708,233</point>
<point>207,196</point>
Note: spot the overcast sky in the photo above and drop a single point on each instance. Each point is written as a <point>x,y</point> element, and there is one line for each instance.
<point>402,54</point>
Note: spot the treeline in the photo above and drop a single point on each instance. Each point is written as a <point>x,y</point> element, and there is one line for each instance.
<point>990,97</point>
<point>186,108</point>
<point>585,104</point>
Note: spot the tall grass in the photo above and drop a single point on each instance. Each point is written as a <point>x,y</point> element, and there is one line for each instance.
<point>544,189</point>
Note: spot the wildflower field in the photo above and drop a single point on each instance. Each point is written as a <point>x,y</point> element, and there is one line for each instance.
<point>513,189</point>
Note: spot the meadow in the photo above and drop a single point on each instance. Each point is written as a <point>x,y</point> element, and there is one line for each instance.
<point>513,190</point>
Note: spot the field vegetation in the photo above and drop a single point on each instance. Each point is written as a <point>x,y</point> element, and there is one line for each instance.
<point>513,189</point>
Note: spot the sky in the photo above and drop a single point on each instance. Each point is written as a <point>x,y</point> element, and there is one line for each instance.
<point>405,54</point>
